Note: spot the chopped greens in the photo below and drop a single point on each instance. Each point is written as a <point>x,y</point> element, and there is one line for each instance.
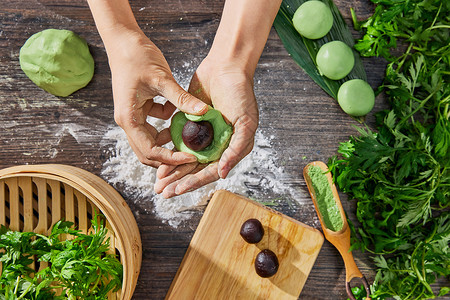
<point>81,267</point>
<point>400,174</point>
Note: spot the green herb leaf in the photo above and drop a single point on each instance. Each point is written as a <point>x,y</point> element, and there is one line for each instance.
<point>400,173</point>
<point>82,267</point>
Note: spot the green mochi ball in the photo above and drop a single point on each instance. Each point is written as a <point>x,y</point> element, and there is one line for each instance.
<point>313,19</point>
<point>57,61</point>
<point>335,60</point>
<point>356,97</point>
<point>222,134</point>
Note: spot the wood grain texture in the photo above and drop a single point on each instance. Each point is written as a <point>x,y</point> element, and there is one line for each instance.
<point>219,264</point>
<point>306,124</point>
<point>80,194</point>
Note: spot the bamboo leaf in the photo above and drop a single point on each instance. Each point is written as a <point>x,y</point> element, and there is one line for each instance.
<point>304,50</point>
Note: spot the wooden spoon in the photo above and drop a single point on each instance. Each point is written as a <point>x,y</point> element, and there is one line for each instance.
<point>340,239</point>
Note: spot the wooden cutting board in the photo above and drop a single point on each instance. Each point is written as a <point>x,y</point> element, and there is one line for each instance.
<point>219,264</point>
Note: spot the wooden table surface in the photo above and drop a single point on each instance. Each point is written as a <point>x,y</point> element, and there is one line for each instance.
<point>303,119</point>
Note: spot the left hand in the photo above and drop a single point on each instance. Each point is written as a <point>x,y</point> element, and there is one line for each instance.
<point>229,89</point>
<point>139,74</point>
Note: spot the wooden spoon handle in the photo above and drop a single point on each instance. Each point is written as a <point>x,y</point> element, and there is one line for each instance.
<point>341,241</point>
<point>351,269</point>
<point>366,287</point>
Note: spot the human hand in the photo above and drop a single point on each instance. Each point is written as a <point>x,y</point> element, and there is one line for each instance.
<point>139,74</point>
<point>225,79</point>
<point>230,90</point>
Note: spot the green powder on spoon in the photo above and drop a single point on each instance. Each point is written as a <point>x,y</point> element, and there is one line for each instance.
<point>326,203</point>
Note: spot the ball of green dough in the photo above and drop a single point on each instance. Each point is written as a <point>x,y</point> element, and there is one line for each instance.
<point>58,61</point>
<point>356,97</point>
<point>222,134</point>
<point>335,60</point>
<point>313,19</point>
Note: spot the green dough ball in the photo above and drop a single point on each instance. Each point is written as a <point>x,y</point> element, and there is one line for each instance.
<point>222,134</point>
<point>356,97</point>
<point>313,19</point>
<point>335,60</point>
<point>58,61</point>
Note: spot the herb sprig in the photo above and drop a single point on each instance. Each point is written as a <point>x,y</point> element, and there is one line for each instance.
<point>400,173</point>
<point>81,267</point>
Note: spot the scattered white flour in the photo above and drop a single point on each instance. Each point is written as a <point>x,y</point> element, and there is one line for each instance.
<point>257,176</point>
<point>73,130</point>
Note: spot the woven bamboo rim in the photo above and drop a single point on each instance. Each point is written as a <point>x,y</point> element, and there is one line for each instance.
<point>34,197</point>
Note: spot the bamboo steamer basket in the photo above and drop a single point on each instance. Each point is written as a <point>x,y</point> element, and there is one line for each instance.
<point>35,197</point>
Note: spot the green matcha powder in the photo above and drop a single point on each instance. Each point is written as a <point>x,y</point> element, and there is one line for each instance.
<point>326,203</point>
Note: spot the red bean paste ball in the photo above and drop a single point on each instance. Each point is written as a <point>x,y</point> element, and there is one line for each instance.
<point>252,231</point>
<point>266,263</point>
<point>197,135</point>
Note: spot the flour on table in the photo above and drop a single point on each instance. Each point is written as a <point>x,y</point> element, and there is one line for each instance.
<point>256,176</point>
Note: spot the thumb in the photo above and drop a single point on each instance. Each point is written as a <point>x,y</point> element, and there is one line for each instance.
<point>183,100</point>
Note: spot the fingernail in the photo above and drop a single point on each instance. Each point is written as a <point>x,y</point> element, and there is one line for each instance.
<point>200,107</point>
<point>177,190</point>
<point>184,158</point>
<point>168,192</point>
<point>191,160</point>
<point>157,190</point>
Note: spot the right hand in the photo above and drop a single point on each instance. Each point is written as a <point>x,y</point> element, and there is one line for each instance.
<point>229,88</point>
<point>140,73</point>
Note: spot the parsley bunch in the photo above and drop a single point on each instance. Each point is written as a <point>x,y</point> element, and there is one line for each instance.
<point>400,173</point>
<point>80,267</point>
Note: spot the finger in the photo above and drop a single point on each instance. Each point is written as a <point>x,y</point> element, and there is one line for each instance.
<point>163,137</point>
<point>197,90</point>
<point>162,111</point>
<point>183,100</point>
<point>176,174</point>
<point>225,169</point>
<point>241,144</point>
<point>193,181</point>
<point>141,157</point>
<point>151,130</point>
<point>146,147</point>
<point>164,170</point>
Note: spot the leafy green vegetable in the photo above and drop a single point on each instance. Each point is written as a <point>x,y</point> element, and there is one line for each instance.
<point>304,50</point>
<point>400,174</point>
<point>359,292</point>
<point>81,266</point>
